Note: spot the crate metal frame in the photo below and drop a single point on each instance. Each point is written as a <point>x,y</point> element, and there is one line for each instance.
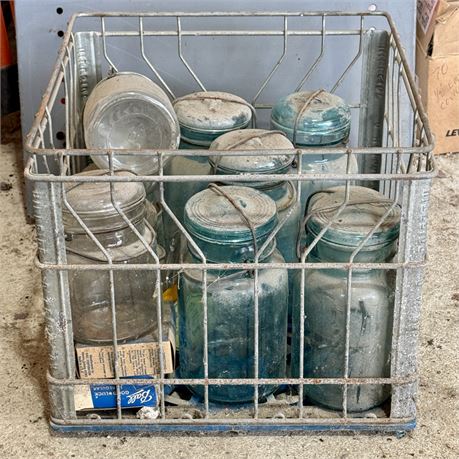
<point>406,171</point>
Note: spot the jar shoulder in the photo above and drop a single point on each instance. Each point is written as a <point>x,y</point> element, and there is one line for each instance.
<point>330,286</point>
<point>222,279</point>
<point>121,247</point>
<point>329,163</point>
<point>185,165</point>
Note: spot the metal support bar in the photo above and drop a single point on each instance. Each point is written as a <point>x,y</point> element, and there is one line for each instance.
<point>412,247</point>
<point>372,100</point>
<point>51,249</point>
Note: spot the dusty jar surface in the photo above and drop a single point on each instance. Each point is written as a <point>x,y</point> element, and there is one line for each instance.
<point>223,236</point>
<point>371,301</point>
<point>316,119</point>
<point>205,115</point>
<point>90,293</point>
<point>283,193</point>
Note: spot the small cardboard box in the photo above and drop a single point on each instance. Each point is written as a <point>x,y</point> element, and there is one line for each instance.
<point>437,68</point>
<point>103,396</point>
<point>140,358</point>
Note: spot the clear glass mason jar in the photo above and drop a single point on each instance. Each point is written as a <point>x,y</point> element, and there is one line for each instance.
<point>316,119</point>
<point>90,290</point>
<point>283,193</point>
<point>372,299</point>
<point>128,111</point>
<point>224,237</point>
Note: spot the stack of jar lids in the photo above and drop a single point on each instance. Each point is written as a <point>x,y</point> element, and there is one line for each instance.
<point>204,116</point>
<point>362,213</point>
<point>92,202</point>
<point>252,139</point>
<point>128,111</point>
<point>312,118</point>
<point>211,216</point>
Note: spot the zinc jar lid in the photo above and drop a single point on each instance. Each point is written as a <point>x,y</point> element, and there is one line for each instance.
<point>92,202</point>
<point>364,210</point>
<point>212,217</point>
<point>321,118</point>
<point>251,139</point>
<point>207,114</point>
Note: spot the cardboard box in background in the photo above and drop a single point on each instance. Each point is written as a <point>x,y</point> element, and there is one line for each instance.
<point>437,68</point>
<point>135,359</point>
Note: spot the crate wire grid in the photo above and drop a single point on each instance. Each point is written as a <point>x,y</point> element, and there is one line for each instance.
<point>405,176</point>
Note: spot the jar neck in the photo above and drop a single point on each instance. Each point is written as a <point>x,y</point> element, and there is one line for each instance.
<point>109,239</point>
<point>337,143</point>
<point>230,252</point>
<point>332,252</point>
<point>282,193</point>
<point>319,158</point>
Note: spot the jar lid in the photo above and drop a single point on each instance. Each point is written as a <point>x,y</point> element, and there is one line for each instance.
<point>205,115</point>
<point>129,111</point>
<point>363,211</point>
<point>251,139</point>
<point>212,217</point>
<point>321,118</point>
<point>93,203</point>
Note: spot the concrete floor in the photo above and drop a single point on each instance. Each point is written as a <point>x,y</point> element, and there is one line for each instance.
<point>23,394</point>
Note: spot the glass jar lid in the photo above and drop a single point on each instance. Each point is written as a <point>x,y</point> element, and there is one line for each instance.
<point>363,211</point>
<point>320,118</point>
<point>205,115</point>
<point>251,139</point>
<point>92,201</point>
<point>212,217</point>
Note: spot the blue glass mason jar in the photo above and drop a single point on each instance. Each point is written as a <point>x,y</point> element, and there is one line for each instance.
<point>223,236</point>
<point>316,119</point>
<point>202,116</point>
<point>372,298</point>
<point>90,290</point>
<point>283,193</point>
<point>177,194</point>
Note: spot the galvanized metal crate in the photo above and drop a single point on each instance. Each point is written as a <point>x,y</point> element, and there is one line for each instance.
<point>390,138</point>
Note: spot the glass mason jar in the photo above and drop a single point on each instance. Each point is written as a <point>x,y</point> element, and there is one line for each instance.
<point>372,298</point>
<point>316,119</point>
<point>90,290</point>
<point>177,194</point>
<point>283,193</point>
<point>224,237</point>
<point>206,115</point>
<point>128,111</point>
<point>202,116</point>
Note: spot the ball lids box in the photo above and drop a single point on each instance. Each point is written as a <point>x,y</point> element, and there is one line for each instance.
<point>134,359</point>
<point>437,68</point>
<point>103,396</point>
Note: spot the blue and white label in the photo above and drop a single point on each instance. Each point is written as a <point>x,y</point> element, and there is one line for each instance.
<point>94,396</point>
